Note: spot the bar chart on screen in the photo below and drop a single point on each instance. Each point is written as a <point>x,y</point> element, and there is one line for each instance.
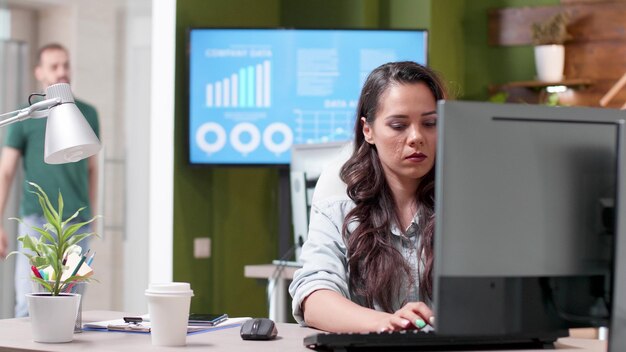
<point>248,87</point>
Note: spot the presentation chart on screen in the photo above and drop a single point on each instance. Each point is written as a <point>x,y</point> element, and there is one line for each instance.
<point>253,93</point>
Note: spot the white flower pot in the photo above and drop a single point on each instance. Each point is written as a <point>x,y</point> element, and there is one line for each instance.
<point>52,317</point>
<point>549,62</point>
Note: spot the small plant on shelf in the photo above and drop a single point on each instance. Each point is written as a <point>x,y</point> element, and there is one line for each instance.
<point>552,31</point>
<point>548,37</point>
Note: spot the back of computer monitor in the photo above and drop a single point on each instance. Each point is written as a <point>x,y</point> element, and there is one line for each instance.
<point>308,162</point>
<point>521,243</point>
<point>617,333</point>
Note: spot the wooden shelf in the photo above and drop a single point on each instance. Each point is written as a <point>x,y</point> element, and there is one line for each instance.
<point>535,92</point>
<point>574,82</point>
<point>596,50</point>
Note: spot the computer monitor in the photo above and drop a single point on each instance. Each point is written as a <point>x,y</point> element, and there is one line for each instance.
<point>525,218</point>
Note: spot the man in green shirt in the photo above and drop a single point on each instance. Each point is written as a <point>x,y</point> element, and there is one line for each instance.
<point>76,181</point>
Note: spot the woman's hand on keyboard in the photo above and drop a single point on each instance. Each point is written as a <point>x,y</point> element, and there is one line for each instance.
<point>414,315</point>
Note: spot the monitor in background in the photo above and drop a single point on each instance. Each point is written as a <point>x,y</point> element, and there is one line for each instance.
<point>253,93</point>
<point>308,161</point>
<point>525,228</point>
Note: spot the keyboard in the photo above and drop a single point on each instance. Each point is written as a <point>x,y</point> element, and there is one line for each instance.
<point>414,340</point>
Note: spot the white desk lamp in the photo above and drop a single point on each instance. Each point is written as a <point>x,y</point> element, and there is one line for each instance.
<point>69,136</point>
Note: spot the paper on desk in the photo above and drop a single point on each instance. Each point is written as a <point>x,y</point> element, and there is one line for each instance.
<point>229,321</point>
<point>121,325</point>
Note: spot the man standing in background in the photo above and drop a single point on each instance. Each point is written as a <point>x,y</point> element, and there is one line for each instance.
<point>76,181</point>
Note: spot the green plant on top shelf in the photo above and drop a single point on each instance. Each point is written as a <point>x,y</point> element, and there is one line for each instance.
<point>552,31</point>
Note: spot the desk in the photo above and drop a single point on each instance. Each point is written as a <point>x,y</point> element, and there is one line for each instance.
<point>276,287</point>
<point>15,334</point>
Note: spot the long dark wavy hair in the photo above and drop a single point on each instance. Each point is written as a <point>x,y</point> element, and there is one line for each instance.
<point>377,269</point>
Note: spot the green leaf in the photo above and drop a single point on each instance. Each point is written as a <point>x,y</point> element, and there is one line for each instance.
<point>18,252</point>
<point>66,285</point>
<point>41,193</point>
<point>43,283</point>
<point>39,262</point>
<point>553,99</point>
<point>49,228</point>
<point>42,197</point>
<point>76,278</point>
<point>499,97</point>
<point>49,212</point>
<point>77,238</point>
<point>60,205</point>
<point>18,220</point>
<point>44,234</point>
<point>68,232</point>
<point>50,253</point>
<point>72,217</point>
<point>29,242</point>
<point>50,217</point>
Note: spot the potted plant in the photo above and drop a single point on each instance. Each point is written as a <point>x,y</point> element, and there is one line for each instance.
<point>548,38</point>
<point>53,312</point>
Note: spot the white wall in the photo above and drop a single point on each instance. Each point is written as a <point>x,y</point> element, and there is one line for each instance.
<point>138,111</point>
<point>23,29</point>
<point>162,141</point>
<point>14,62</point>
<point>111,53</point>
<point>154,123</point>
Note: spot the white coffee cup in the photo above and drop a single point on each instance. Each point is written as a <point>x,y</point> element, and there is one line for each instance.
<point>168,306</point>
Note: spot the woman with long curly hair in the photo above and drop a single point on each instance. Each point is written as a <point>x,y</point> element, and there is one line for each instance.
<point>368,258</point>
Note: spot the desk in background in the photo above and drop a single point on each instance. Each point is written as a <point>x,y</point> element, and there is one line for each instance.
<point>15,334</point>
<point>277,279</point>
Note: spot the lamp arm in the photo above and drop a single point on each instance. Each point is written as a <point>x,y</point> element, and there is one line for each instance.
<point>31,111</point>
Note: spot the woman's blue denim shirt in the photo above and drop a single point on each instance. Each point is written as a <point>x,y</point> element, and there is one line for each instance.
<point>325,261</point>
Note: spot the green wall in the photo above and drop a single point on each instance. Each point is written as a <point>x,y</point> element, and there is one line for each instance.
<point>447,44</point>
<point>237,207</point>
<point>330,13</point>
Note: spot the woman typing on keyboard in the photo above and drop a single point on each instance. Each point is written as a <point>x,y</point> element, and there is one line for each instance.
<point>368,258</point>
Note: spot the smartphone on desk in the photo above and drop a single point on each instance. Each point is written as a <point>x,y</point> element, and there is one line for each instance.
<point>206,319</point>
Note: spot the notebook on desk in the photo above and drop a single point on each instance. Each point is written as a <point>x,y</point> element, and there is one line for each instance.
<point>144,326</point>
<point>413,340</point>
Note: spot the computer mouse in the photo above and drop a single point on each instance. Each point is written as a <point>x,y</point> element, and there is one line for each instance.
<point>258,329</point>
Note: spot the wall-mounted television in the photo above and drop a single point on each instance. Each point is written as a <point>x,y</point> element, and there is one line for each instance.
<point>253,93</point>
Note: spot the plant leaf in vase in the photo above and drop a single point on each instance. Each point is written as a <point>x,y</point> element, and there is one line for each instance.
<point>58,238</point>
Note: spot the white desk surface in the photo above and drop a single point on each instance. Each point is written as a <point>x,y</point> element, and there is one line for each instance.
<point>15,335</point>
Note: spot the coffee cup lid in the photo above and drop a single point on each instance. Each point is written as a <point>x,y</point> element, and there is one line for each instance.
<point>170,288</point>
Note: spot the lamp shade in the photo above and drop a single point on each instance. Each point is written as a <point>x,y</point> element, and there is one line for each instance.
<point>69,136</point>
